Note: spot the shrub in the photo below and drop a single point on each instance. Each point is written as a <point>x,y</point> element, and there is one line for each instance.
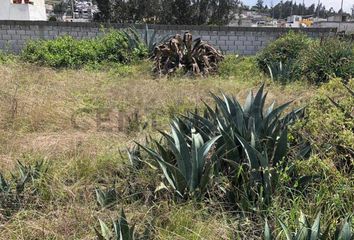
<point>285,50</point>
<point>327,58</point>
<point>65,51</point>
<point>329,127</point>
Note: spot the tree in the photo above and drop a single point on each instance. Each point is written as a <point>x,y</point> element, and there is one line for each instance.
<point>184,12</point>
<point>60,8</point>
<point>259,5</point>
<point>105,8</point>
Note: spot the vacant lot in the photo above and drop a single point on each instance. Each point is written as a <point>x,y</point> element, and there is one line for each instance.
<point>81,121</point>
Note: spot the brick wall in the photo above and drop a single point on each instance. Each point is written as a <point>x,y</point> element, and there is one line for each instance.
<point>239,40</point>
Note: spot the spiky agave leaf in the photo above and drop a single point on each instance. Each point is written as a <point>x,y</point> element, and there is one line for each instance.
<point>121,229</point>
<point>345,232</point>
<point>267,232</point>
<point>106,198</point>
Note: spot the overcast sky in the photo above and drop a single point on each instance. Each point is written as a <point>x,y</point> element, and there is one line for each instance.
<point>347,4</point>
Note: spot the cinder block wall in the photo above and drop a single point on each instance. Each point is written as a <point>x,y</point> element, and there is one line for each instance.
<point>237,40</point>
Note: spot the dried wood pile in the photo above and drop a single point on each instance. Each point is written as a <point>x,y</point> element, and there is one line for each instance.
<point>192,57</point>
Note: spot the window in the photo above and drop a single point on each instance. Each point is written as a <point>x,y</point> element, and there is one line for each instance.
<point>22,2</point>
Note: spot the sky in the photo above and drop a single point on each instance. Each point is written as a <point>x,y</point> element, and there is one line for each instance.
<point>347,4</point>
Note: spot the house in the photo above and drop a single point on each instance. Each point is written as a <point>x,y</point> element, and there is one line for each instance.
<point>26,10</point>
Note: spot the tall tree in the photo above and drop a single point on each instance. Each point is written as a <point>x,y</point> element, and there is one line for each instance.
<point>105,8</point>
<point>259,5</point>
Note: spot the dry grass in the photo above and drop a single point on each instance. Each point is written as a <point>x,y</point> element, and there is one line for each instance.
<point>52,115</point>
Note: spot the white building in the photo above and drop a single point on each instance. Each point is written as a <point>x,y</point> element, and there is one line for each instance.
<point>27,10</point>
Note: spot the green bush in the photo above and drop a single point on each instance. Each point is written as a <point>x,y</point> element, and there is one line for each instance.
<point>65,51</point>
<point>285,50</point>
<point>327,58</point>
<point>329,128</point>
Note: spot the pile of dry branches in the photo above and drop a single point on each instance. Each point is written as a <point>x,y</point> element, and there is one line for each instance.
<point>193,57</point>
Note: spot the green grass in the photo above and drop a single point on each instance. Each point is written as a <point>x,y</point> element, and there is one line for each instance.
<point>36,122</point>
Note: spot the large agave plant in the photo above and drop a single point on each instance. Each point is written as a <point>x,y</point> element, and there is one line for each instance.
<point>182,53</point>
<point>120,229</point>
<point>306,231</point>
<point>253,138</point>
<point>188,168</point>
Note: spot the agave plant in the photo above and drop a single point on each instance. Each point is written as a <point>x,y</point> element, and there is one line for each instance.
<point>12,190</point>
<point>193,57</point>
<point>120,229</point>
<point>106,198</point>
<point>188,170</point>
<point>253,138</point>
<point>134,156</point>
<point>306,231</point>
<point>150,41</point>
<point>281,72</point>
<point>154,40</point>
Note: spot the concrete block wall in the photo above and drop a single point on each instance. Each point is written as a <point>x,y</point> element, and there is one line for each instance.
<point>232,40</point>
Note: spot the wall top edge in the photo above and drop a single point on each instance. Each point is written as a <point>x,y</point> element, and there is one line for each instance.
<point>165,27</point>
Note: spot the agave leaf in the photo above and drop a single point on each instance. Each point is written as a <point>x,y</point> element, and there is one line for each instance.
<point>248,103</point>
<point>281,147</point>
<point>270,72</point>
<point>146,33</point>
<point>204,150</point>
<point>315,229</point>
<point>152,43</point>
<point>251,153</point>
<point>235,114</point>
<point>125,232</point>
<point>174,177</point>
<point>275,113</point>
<point>285,230</point>
<point>199,153</point>
<point>267,232</point>
<point>184,163</point>
<point>346,232</point>
<point>269,110</point>
<point>99,235</point>
<point>256,107</point>
<point>197,161</point>
<point>105,232</point>
<point>303,232</point>
<point>230,145</point>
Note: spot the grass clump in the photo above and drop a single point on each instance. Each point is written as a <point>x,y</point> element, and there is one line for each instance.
<point>328,58</point>
<point>330,127</point>
<point>67,52</point>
